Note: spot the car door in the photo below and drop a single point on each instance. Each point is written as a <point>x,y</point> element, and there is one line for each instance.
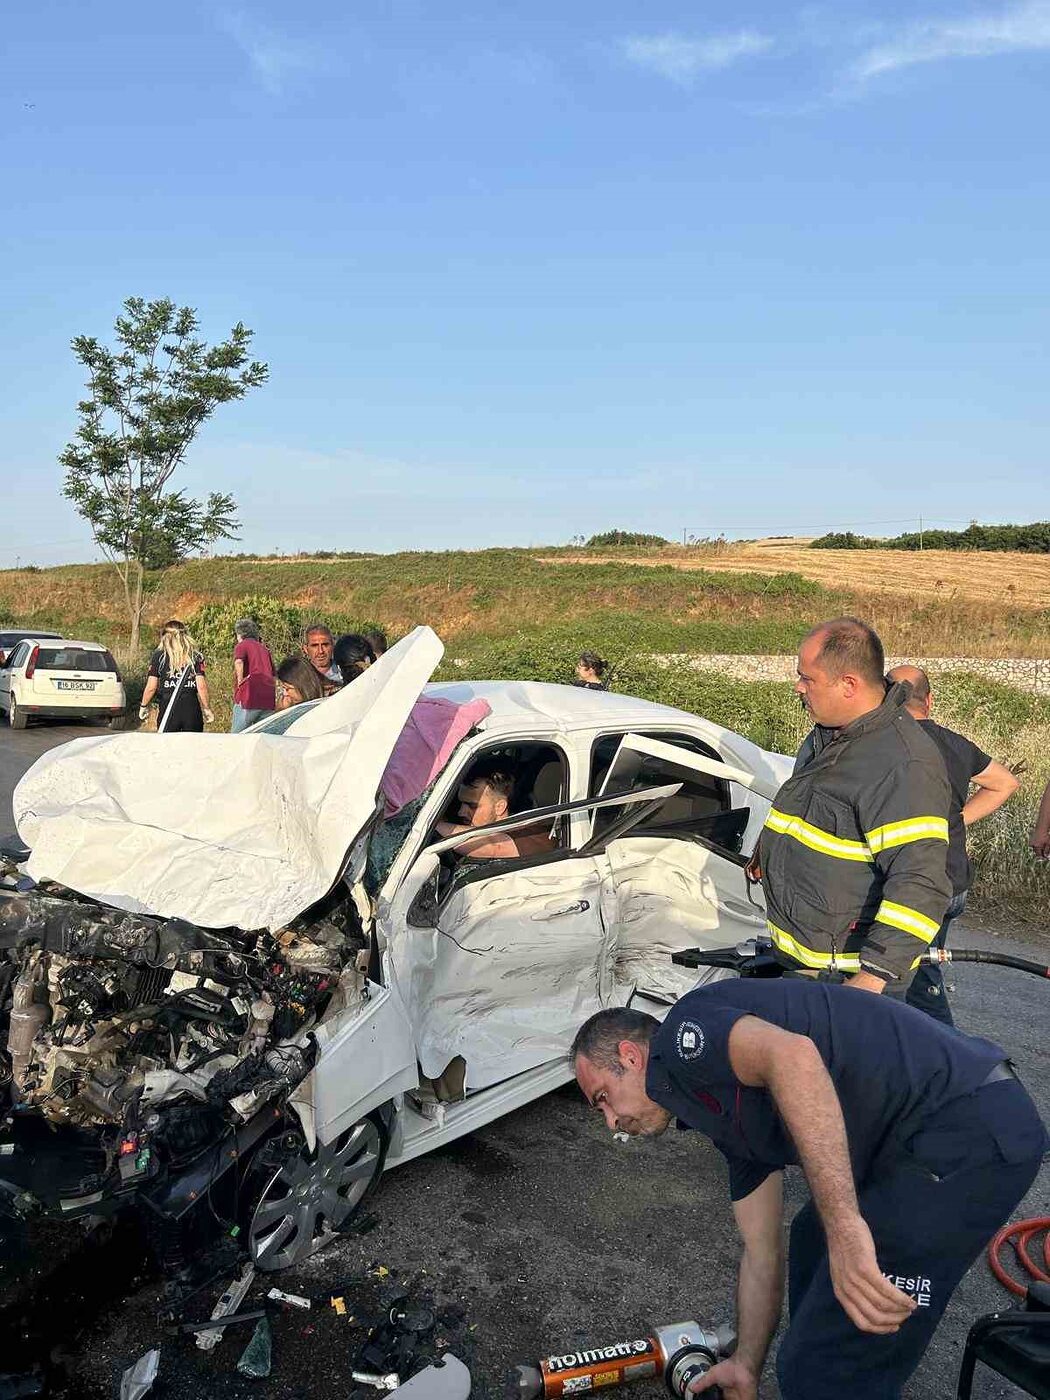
<point>501,967</point>
<point>677,884</point>
<point>7,671</point>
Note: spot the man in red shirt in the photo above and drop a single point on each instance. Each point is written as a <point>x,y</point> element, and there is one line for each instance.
<point>254,695</point>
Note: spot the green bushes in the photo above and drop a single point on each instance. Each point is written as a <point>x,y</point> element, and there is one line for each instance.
<point>618,539</point>
<point>1026,539</point>
<point>212,625</point>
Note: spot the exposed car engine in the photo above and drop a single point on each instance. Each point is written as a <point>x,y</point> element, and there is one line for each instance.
<point>153,1035</point>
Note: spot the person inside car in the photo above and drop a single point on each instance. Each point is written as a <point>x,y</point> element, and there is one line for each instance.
<point>485,797</point>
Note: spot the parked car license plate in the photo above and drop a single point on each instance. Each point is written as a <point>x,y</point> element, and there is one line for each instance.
<point>76,685</point>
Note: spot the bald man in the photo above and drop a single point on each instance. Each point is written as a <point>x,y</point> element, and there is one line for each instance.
<point>966,764</point>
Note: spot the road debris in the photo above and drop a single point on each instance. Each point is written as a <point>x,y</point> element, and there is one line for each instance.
<point>291,1300</point>
<point>227,1305</point>
<point>138,1379</point>
<point>390,1381</point>
<point>447,1379</point>
<point>257,1357</point>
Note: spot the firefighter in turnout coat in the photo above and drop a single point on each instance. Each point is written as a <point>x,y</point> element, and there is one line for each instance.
<point>853,854</point>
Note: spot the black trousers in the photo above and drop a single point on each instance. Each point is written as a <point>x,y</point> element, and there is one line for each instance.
<point>931,1208</point>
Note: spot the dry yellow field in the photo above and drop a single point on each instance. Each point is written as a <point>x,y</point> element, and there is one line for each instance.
<point>1022,580</point>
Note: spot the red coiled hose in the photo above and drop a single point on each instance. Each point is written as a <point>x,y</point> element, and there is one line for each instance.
<point>1020,1234</point>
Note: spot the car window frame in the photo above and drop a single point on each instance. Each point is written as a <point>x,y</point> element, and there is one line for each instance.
<point>736,774</point>
<point>641,805</point>
<point>533,814</point>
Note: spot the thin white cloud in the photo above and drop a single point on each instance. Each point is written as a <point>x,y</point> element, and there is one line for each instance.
<point>1018,29</point>
<point>273,58</point>
<point>682,59</point>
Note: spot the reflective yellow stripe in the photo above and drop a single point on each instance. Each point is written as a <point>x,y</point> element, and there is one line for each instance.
<point>914,829</point>
<point>809,957</point>
<point>908,920</point>
<point>816,839</point>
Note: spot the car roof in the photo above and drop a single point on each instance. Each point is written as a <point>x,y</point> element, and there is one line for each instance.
<point>23,634</point>
<point>513,703</point>
<point>63,641</point>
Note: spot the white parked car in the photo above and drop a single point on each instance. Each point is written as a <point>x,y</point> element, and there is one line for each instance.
<point>367,991</point>
<point>52,677</point>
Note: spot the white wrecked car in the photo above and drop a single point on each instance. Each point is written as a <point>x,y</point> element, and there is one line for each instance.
<point>253,971</point>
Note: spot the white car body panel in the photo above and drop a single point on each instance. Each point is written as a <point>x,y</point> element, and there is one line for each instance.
<point>366,1057</point>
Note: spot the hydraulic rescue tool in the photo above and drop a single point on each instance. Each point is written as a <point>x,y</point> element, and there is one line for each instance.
<point>679,1353</point>
<point>755,957</point>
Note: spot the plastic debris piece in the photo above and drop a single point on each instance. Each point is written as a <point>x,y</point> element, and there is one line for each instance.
<point>339,1304</point>
<point>379,1271</point>
<point>228,1303</point>
<point>447,1379</point>
<point>138,1380</point>
<point>257,1356</point>
<point>291,1300</point>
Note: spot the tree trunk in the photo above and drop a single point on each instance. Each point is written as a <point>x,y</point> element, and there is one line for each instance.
<point>135,607</point>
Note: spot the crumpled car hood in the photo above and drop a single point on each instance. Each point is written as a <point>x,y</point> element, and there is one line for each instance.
<point>222,830</point>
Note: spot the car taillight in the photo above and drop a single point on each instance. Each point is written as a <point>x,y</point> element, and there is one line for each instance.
<point>31,664</point>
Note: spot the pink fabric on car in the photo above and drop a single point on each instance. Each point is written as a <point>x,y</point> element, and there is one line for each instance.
<point>425,745</point>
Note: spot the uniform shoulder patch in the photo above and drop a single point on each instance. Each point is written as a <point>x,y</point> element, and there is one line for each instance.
<point>690,1041</point>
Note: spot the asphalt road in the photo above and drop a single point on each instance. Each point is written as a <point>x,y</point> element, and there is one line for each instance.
<point>536,1234</point>
<point>19,749</point>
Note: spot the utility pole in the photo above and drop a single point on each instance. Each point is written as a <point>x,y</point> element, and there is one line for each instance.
<point>920,534</point>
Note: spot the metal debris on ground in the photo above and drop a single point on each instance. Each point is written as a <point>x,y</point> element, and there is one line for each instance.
<point>228,1304</point>
<point>291,1300</point>
<point>257,1357</point>
<point>138,1379</point>
<point>388,1381</point>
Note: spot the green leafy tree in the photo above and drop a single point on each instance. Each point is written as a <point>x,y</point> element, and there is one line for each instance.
<point>147,399</point>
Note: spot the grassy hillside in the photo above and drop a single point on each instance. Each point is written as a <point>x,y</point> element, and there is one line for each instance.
<point>677,602</point>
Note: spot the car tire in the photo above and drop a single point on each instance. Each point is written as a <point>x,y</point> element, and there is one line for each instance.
<point>16,718</point>
<point>302,1200</point>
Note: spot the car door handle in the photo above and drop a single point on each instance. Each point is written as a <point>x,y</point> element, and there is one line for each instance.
<point>580,907</point>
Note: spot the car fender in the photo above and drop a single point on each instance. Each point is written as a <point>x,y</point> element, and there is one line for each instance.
<point>366,1057</point>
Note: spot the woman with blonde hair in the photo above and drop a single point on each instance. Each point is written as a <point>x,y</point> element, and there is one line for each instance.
<point>176,669</point>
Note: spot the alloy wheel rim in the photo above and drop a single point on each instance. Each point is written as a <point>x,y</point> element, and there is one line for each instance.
<point>308,1200</point>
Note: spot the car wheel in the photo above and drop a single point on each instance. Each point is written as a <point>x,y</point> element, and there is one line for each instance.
<point>313,1196</point>
<point>15,717</point>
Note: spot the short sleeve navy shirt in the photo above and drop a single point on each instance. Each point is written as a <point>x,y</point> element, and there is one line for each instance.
<point>892,1068</point>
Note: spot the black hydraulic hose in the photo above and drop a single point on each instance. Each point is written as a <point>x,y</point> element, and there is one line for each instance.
<point>756,958</point>
<point>978,955</point>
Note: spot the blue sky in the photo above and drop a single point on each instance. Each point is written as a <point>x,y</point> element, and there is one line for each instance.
<point>526,271</point>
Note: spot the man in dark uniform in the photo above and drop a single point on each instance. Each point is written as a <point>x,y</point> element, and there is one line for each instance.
<point>917,1143</point>
<point>965,765</point>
